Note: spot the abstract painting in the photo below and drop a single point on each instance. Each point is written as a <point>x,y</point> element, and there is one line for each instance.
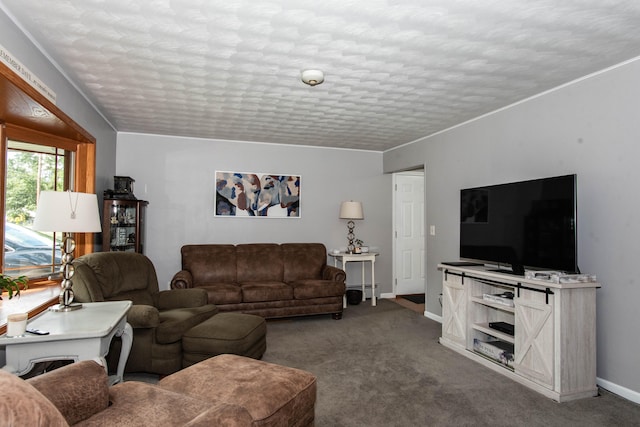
<point>243,194</point>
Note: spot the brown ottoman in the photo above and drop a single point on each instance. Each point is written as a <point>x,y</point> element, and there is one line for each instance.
<point>225,333</point>
<point>273,395</point>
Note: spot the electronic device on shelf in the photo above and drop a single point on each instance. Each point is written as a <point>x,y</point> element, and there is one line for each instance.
<point>505,327</point>
<point>504,298</point>
<point>38,332</point>
<point>528,223</point>
<point>559,277</point>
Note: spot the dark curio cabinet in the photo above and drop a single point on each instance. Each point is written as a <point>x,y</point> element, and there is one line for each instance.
<point>123,225</point>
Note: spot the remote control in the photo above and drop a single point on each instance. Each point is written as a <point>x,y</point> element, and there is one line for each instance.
<point>37,332</point>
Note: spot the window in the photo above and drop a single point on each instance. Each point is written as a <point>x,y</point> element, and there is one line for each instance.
<point>31,168</point>
<point>43,147</point>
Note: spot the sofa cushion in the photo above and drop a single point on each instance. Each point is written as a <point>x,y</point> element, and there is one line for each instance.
<point>23,405</point>
<point>139,404</point>
<point>179,298</point>
<point>116,276</point>
<point>303,261</point>
<point>274,395</point>
<point>260,262</point>
<point>210,263</point>
<point>174,323</point>
<point>223,415</point>
<point>309,289</point>
<point>76,400</point>
<point>223,293</point>
<point>266,291</point>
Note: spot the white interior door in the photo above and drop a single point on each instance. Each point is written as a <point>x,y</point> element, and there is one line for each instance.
<point>409,233</point>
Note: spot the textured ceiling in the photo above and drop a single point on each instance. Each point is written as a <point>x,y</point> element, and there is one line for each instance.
<point>395,71</point>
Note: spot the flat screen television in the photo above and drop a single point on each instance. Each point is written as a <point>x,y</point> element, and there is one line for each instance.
<point>521,224</point>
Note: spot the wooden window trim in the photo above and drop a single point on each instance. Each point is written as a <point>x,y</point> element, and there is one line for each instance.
<point>18,133</point>
<point>27,115</point>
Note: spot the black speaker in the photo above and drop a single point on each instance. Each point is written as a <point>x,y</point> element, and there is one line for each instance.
<point>354,296</point>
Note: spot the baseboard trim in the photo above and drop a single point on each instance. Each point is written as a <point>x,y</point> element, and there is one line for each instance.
<point>623,392</point>
<point>388,295</point>
<point>432,316</point>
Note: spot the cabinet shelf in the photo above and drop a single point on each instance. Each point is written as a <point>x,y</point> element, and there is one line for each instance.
<point>485,328</point>
<point>493,361</point>
<point>480,300</point>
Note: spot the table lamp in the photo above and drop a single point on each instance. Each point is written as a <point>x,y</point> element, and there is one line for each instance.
<point>351,210</point>
<point>67,212</point>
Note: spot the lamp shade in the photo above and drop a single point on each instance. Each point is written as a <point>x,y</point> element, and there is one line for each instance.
<point>68,212</point>
<point>351,210</point>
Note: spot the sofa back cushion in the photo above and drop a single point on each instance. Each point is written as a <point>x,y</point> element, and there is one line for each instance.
<point>260,261</point>
<point>303,261</point>
<point>210,263</point>
<point>78,390</point>
<point>23,405</point>
<point>113,276</point>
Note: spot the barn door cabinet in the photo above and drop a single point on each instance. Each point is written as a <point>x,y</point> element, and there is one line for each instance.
<point>123,225</point>
<point>454,311</point>
<point>552,348</point>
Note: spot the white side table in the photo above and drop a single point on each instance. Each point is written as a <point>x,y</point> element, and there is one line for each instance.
<point>74,335</point>
<point>361,258</point>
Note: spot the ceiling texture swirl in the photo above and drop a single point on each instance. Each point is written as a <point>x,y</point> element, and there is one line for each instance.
<point>395,71</point>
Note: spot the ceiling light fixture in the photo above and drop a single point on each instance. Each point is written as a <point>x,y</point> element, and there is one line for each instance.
<point>312,77</point>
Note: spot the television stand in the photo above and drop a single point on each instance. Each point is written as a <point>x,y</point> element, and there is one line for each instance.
<point>553,346</point>
<point>512,273</point>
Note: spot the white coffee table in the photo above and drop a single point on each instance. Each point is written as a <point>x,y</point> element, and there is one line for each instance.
<point>74,335</point>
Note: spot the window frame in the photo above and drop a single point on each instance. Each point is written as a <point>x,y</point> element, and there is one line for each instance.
<point>26,115</point>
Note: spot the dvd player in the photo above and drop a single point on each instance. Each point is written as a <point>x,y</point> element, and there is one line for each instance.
<point>505,327</point>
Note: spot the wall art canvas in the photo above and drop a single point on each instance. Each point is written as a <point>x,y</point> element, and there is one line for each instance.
<point>248,194</point>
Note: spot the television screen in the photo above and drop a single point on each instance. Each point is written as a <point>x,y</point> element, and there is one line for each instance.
<point>523,224</point>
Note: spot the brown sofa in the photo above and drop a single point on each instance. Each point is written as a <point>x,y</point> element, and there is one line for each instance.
<point>226,390</point>
<point>266,279</point>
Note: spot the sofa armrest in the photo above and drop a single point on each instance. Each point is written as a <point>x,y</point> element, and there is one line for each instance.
<point>182,298</point>
<point>183,279</point>
<point>143,316</point>
<point>334,274</point>
<point>78,390</point>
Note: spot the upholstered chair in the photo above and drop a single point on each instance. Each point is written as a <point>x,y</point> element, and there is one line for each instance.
<point>158,318</point>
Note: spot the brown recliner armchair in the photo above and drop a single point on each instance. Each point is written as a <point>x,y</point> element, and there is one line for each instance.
<point>158,318</point>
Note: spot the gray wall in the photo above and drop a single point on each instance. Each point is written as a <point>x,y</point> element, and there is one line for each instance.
<point>176,176</point>
<point>590,128</point>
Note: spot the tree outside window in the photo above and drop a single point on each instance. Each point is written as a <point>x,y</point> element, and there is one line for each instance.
<point>30,169</point>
